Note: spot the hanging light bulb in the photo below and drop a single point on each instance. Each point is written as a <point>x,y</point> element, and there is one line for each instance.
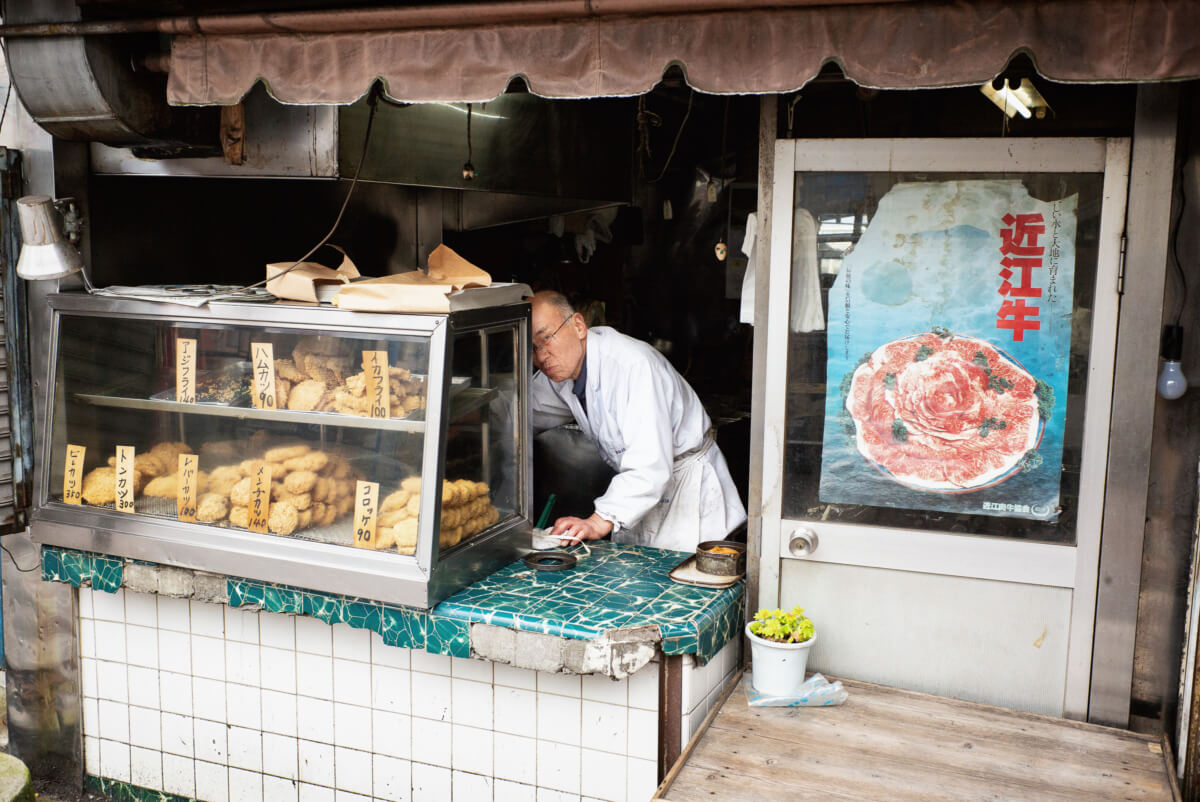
<point>1171,381</point>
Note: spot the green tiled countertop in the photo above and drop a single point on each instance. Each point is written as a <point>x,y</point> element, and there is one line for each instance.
<point>615,587</point>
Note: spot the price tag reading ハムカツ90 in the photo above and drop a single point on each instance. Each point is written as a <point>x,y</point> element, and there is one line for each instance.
<point>125,480</point>
<point>260,496</point>
<point>262,358</point>
<point>185,499</point>
<point>185,370</point>
<point>73,475</point>
<point>375,369</point>
<point>366,512</point>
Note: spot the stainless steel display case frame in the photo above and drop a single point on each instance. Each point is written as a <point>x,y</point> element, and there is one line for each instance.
<point>419,581</point>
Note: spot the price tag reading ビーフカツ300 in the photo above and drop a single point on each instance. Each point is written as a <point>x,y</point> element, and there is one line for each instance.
<point>185,500</point>
<point>260,496</point>
<point>366,512</point>
<point>262,358</point>
<point>375,369</point>
<point>125,480</point>
<point>185,370</point>
<point>73,475</point>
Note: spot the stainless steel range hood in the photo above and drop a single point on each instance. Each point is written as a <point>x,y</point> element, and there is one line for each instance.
<point>534,157</point>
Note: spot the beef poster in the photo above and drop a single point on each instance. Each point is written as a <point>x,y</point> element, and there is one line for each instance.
<point>948,346</point>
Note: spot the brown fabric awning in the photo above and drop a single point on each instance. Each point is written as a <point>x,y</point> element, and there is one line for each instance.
<point>886,46</point>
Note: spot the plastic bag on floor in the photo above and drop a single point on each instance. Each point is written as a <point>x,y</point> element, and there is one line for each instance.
<point>815,692</point>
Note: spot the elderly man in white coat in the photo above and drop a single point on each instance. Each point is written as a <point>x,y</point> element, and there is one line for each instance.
<point>672,489</point>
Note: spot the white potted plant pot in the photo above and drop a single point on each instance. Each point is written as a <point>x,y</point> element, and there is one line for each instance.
<point>778,667</point>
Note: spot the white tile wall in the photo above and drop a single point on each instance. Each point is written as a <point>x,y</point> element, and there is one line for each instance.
<point>230,705</point>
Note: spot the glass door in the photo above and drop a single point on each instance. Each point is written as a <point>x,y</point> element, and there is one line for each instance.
<point>941,331</point>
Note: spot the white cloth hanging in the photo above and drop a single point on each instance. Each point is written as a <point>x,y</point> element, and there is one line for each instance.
<point>746,314</point>
<point>807,314</point>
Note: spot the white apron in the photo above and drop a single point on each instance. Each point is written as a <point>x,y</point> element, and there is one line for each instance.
<point>677,520</point>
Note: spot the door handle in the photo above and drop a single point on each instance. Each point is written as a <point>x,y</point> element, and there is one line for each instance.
<point>803,542</point>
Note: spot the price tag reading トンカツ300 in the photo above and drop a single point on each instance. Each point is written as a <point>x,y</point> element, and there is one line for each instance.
<point>185,370</point>
<point>185,500</point>
<point>260,495</point>
<point>125,480</point>
<point>73,475</point>
<point>366,513</point>
<point>262,359</point>
<point>375,369</point>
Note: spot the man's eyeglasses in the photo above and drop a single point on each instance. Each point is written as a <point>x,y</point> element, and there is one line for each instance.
<point>542,343</point>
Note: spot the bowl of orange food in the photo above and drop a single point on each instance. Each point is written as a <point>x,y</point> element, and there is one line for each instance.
<point>721,557</point>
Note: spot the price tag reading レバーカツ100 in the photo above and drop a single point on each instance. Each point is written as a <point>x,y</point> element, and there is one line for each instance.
<point>185,370</point>
<point>126,485</point>
<point>185,500</point>
<point>260,496</point>
<point>262,358</point>
<point>366,512</point>
<point>73,475</point>
<point>375,369</point>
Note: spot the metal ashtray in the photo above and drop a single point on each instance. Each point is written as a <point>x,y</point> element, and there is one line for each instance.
<point>550,560</point>
<point>718,564</point>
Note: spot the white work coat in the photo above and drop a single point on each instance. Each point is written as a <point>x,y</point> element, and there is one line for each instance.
<point>672,489</point>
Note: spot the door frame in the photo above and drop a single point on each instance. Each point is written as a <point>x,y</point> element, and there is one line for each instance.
<point>1074,567</point>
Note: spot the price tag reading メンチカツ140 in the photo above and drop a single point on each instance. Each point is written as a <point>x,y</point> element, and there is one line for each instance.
<point>260,496</point>
<point>366,512</point>
<point>262,359</point>
<point>185,370</point>
<point>185,499</point>
<point>73,475</point>
<point>375,369</point>
<point>125,479</point>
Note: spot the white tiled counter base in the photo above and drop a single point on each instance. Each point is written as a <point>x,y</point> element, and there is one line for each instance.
<point>218,703</point>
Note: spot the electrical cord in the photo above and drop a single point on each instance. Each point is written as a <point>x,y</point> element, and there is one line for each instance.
<point>1182,182</point>
<point>14,561</point>
<point>372,101</point>
<point>679,133</point>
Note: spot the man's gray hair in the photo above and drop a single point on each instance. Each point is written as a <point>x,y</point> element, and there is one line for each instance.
<point>558,301</point>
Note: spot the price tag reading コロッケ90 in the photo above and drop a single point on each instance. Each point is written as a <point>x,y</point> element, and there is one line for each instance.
<point>366,512</point>
<point>185,500</point>
<point>260,496</point>
<point>262,359</point>
<point>185,370</point>
<point>73,475</point>
<point>375,369</point>
<point>125,480</point>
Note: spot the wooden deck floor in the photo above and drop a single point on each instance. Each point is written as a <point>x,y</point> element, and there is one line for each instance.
<point>885,743</point>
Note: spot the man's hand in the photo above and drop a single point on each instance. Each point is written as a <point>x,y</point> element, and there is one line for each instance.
<point>574,530</point>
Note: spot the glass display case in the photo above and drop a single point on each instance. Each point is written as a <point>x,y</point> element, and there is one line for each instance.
<point>379,456</point>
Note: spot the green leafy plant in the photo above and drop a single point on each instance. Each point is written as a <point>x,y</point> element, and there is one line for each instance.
<point>781,626</point>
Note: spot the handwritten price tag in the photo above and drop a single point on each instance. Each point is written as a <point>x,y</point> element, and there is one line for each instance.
<point>73,475</point>
<point>185,500</point>
<point>126,488</point>
<point>262,355</point>
<point>366,513</point>
<point>375,368</point>
<point>260,497</point>
<point>185,370</point>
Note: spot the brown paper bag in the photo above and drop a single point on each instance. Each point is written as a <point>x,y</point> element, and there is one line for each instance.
<point>300,283</point>
<point>415,291</point>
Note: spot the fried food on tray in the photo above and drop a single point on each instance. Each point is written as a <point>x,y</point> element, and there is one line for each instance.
<point>211,507</point>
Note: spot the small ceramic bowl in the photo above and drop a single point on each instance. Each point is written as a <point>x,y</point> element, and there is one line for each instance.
<point>718,564</point>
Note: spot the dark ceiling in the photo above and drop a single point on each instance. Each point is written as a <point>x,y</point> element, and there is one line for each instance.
<point>125,9</point>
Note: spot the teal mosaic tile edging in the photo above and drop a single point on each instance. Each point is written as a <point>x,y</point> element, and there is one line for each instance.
<point>81,568</point>
<point>118,791</point>
<point>616,586</point>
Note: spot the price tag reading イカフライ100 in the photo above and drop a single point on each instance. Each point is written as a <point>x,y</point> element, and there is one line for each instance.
<point>366,512</point>
<point>73,475</point>
<point>185,370</point>
<point>375,369</point>
<point>185,501</point>
<point>125,479</point>
<point>262,360</point>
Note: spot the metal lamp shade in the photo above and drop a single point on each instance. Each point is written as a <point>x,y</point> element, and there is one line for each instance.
<point>45,251</point>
